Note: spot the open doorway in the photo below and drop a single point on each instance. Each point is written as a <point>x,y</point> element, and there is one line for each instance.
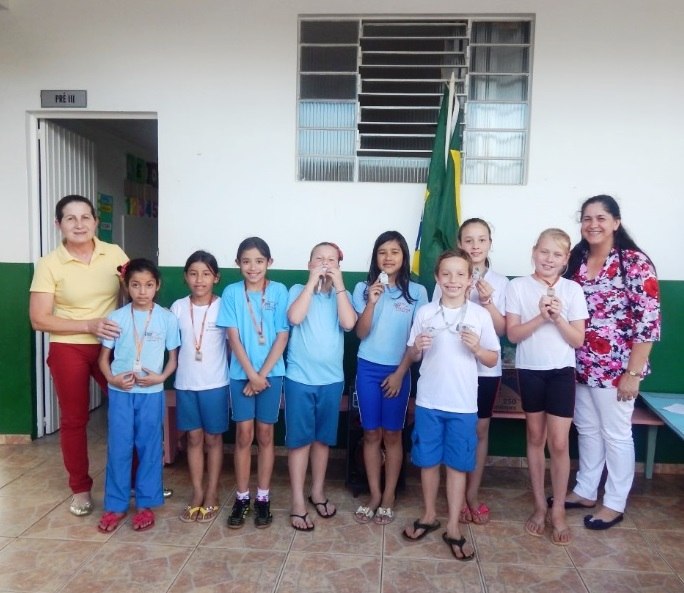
<point>111,159</point>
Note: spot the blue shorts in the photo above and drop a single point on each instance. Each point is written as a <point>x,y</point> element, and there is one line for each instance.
<point>206,409</point>
<point>377,410</point>
<point>311,413</point>
<point>264,407</point>
<point>444,437</point>
<point>551,391</point>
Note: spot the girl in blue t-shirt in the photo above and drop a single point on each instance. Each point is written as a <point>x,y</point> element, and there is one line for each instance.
<point>386,303</point>
<point>136,378</point>
<point>255,312</point>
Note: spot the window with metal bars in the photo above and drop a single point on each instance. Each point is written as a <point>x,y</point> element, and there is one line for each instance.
<point>370,91</point>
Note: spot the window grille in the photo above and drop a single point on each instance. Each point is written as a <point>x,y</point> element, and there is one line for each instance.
<point>370,92</point>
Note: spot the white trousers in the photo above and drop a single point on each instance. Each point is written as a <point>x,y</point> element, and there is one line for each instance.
<point>604,427</point>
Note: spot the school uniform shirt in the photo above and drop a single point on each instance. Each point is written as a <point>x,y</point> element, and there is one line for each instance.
<point>448,372</point>
<point>81,290</point>
<point>391,324</point>
<point>161,335</point>
<point>212,370</point>
<point>545,349</point>
<point>234,313</point>
<point>316,347</point>
<point>499,283</point>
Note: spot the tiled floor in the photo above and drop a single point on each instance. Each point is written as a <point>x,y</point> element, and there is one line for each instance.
<point>45,549</point>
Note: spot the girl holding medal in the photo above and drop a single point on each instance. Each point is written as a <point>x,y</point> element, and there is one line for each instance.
<point>255,313</point>
<point>202,384</point>
<point>385,303</point>
<point>488,289</point>
<point>136,378</point>
<point>545,316</point>
<point>452,336</point>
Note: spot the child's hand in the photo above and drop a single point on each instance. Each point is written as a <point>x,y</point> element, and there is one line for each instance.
<point>484,291</point>
<point>336,275</point>
<point>544,305</point>
<point>375,291</point>
<point>392,384</point>
<point>124,381</point>
<point>555,307</point>
<point>470,339</point>
<point>256,385</point>
<point>423,341</point>
<point>149,378</point>
<point>316,271</point>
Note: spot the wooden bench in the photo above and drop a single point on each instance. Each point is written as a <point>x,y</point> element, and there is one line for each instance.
<point>640,416</point>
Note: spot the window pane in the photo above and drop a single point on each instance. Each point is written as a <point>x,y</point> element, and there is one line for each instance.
<point>493,172</point>
<point>327,142</point>
<point>498,88</point>
<point>322,169</point>
<point>496,115</point>
<point>327,86</point>
<point>329,32</point>
<point>328,59</point>
<point>326,114</point>
<point>499,59</point>
<point>393,170</point>
<point>501,32</point>
<point>495,144</point>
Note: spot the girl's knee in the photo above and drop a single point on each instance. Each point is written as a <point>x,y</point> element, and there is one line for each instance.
<point>391,437</point>
<point>244,435</point>
<point>195,438</point>
<point>372,437</point>
<point>264,434</point>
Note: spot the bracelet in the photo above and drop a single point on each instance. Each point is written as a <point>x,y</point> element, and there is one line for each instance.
<point>339,291</point>
<point>487,302</point>
<point>632,373</point>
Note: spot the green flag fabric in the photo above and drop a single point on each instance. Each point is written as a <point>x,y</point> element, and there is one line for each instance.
<point>439,224</point>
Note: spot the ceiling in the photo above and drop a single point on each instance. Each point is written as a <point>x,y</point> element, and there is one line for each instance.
<point>140,132</point>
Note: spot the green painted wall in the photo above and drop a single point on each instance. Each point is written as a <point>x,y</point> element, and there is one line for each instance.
<point>17,381</point>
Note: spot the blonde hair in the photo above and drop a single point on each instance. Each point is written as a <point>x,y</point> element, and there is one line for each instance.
<point>558,235</point>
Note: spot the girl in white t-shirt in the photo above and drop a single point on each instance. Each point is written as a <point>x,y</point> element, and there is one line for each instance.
<point>545,317</point>
<point>202,384</point>
<point>488,289</point>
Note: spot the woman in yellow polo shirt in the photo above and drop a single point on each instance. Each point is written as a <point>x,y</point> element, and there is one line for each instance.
<point>74,288</point>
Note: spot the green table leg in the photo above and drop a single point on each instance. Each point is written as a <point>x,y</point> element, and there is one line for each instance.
<point>650,451</point>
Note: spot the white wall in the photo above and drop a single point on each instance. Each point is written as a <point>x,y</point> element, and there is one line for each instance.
<point>606,117</point>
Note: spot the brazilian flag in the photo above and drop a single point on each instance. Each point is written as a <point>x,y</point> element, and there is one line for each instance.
<point>441,210</point>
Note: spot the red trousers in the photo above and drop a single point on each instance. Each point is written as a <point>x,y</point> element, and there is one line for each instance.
<point>71,366</point>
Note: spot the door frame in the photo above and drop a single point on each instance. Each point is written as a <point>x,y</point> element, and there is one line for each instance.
<point>35,236</point>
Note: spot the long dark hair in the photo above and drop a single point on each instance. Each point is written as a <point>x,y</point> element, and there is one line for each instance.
<point>404,273</point>
<point>253,243</point>
<point>205,258</point>
<point>621,238</point>
<point>139,264</point>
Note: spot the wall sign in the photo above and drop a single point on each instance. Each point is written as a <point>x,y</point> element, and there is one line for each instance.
<point>64,98</point>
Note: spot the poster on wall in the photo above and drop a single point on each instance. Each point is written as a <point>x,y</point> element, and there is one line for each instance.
<point>105,206</point>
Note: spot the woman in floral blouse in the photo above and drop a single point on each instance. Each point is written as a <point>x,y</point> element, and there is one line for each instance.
<point>621,288</point>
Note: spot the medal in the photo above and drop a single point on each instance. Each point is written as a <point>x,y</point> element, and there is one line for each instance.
<point>198,355</point>
<point>384,278</point>
<point>262,339</point>
<point>198,341</point>
<point>139,342</point>
<point>137,367</point>
<point>550,292</point>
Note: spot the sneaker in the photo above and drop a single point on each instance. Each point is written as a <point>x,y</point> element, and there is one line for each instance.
<point>262,513</point>
<point>238,514</point>
<point>167,492</point>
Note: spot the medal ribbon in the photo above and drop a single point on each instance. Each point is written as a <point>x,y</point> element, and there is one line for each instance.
<point>139,342</point>
<point>258,327</point>
<point>198,342</point>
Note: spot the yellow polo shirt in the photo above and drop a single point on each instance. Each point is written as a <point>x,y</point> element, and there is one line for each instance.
<point>81,291</point>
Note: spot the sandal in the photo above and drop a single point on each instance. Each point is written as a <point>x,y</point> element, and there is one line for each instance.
<point>465,516</point>
<point>304,518</point>
<point>110,521</point>
<point>189,514</point>
<point>561,537</point>
<point>143,520</point>
<point>384,516</point>
<point>364,515</point>
<point>207,514</point>
<point>325,514</point>
<point>426,527</point>
<point>459,543</point>
<point>480,515</point>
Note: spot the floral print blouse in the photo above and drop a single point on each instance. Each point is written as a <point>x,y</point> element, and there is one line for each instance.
<point>620,314</point>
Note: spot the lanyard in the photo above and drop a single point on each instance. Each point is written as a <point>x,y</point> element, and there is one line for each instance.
<point>198,342</point>
<point>137,366</point>
<point>258,327</point>
<point>453,327</point>
<point>550,291</point>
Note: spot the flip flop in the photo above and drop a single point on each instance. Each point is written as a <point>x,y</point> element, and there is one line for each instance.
<point>600,524</point>
<point>325,514</point>
<point>189,514</point>
<point>143,520</point>
<point>451,542</point>
<point>558,537</point>
<point>110,521</point>
<point>207,514</point>
<point>303,518</point>
<point>571,504</point>
<point>465,516</point>
<point>364,515</point>
<point>426,527</point>
<point>480,515</point>
<point>533,528</point>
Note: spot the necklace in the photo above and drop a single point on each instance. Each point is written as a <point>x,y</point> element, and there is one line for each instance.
<point>550,291</point>
<point>258,327</point>
<point>139,342</point>
<point>198,342</point>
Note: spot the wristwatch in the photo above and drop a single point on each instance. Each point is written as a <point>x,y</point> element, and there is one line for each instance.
<point>632,373</point>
